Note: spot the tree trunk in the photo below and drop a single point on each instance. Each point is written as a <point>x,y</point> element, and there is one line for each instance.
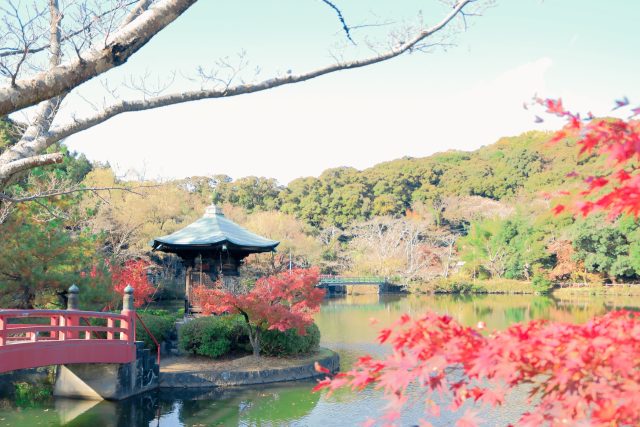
<point>254,339</point>
<point>254,334</point>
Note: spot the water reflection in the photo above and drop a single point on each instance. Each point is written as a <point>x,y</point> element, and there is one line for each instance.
<point>346,327</point>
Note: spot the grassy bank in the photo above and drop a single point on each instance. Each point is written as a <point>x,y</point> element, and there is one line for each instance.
<point>620,290</point>
<point>458,286</point>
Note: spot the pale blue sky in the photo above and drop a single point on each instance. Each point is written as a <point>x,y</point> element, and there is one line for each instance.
<point>466,97</point>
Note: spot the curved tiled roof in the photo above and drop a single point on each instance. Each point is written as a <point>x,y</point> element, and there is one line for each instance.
<point>213,230</point>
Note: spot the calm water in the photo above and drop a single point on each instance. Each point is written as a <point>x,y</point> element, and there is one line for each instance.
<point>345,326</point>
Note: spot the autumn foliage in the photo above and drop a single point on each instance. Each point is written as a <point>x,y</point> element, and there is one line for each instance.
<point>134,273</point>
<point>616,189</point>
<point>283,301</point>
<point>575,373</point>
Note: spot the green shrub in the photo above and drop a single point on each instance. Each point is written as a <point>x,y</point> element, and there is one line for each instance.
<point>213,336</point>
<point>462,285</point>
<point>277,343</point>
<point>161,326</point>
<point>29,394</point>
<point>541,284</point>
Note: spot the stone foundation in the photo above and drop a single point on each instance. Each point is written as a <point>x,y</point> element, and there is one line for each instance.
<point>108,381</point>
<point>298,369</point>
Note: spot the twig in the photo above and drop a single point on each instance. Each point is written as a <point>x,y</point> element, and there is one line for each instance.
<point>345,27</point>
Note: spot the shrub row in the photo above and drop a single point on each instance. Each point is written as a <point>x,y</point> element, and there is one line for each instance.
<point>213,336</point>
<point>288,343</point>
<point>493,286</point>
<point>216,336</point>
<point>160,323</point>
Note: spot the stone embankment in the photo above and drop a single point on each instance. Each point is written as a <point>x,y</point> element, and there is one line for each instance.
<point>190,371</point>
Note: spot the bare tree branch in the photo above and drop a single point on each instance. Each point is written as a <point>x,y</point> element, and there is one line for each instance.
<point>21,165</point>
<point>136,11</point>
<point>146,21</point>
<point>345,27</point>
<point>31,50</point>
<point>242,89</point>
<point>53,193</point>
<point>120,46</point>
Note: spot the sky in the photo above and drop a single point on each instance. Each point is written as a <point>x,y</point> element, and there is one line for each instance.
<point>461,97</point>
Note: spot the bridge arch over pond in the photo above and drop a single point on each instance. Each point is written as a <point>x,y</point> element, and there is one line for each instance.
<point>96,352</point>
<point>335,284</point>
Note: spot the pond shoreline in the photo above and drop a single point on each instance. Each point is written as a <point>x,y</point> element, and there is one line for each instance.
<point>198,372</point>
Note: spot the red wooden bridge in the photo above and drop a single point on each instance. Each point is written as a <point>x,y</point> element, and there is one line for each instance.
<point>33,338</point>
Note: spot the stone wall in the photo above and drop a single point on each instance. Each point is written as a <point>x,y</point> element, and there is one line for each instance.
<point>299,369</point>
<point>108,381</point>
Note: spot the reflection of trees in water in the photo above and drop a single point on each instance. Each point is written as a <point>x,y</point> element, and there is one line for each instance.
<point>139,410</point>
<point>256,405</point>
<point>348,321</point>
<point>252,406</point>
<point>483,311</point>
<point>515,314</point>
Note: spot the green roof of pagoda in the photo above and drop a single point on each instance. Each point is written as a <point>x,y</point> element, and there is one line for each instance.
<point>213,231</point>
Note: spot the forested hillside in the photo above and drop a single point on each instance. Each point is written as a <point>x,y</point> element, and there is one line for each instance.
<point>475,215</point>
<point>521,166</point>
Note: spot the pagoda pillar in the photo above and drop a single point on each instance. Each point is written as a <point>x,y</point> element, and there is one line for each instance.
<point>188,262</point>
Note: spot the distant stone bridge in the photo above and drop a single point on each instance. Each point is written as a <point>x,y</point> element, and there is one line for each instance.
<point>334,284</point>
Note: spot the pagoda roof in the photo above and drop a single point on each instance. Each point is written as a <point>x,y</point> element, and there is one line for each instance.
<point>212,231</point>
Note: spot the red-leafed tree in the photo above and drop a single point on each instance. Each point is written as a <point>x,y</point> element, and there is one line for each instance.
<point>284,301</point>
<point>616,188</point>
<point>134,273</point>
<point>577,374</point>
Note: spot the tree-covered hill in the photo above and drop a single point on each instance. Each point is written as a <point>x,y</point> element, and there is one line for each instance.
<point>482,214</point>
<point>513,167</point>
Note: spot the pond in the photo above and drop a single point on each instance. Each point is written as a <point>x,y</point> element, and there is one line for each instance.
<point>346,328</point>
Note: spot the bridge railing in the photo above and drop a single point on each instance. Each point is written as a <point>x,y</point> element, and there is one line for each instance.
<point>33,338</point>
<point>22,326</point>
<point>330,279</point>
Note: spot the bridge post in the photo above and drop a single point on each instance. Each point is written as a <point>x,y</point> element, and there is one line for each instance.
<point>2,330</point>
<point>128,309</point>
<point>72,298</point>
<point>72,304</point>
<point>112,381</point>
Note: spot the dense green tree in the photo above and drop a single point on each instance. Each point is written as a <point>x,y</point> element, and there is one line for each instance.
<point>251,193</point>
<point>46,245</point>
<point>39,260</point>
<point>515,167</point>
<point>510,248</point>
<point>612,249</point>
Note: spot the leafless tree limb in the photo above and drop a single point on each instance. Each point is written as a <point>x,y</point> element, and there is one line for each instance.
<point>77,189</point>
<point>345,27</point>
<point>140,25</point>
<point>5,52</point>
<point>116,51</point>
<point>30,163</point>
<point>177,98</point>
<point>140,7</point>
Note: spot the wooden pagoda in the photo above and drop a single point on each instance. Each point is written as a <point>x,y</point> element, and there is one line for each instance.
<point>212,248</point>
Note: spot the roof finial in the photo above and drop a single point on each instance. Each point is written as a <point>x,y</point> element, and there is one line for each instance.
<point>213,210</point>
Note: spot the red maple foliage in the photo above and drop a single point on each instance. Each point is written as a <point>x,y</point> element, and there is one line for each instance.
<point>616,190</point>
<point>284,301</point>
<point>134,273</point>
<point>585,374</point>
<point>576,373</point>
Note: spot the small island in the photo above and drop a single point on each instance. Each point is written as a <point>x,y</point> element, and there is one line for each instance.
<point>226,320</point>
